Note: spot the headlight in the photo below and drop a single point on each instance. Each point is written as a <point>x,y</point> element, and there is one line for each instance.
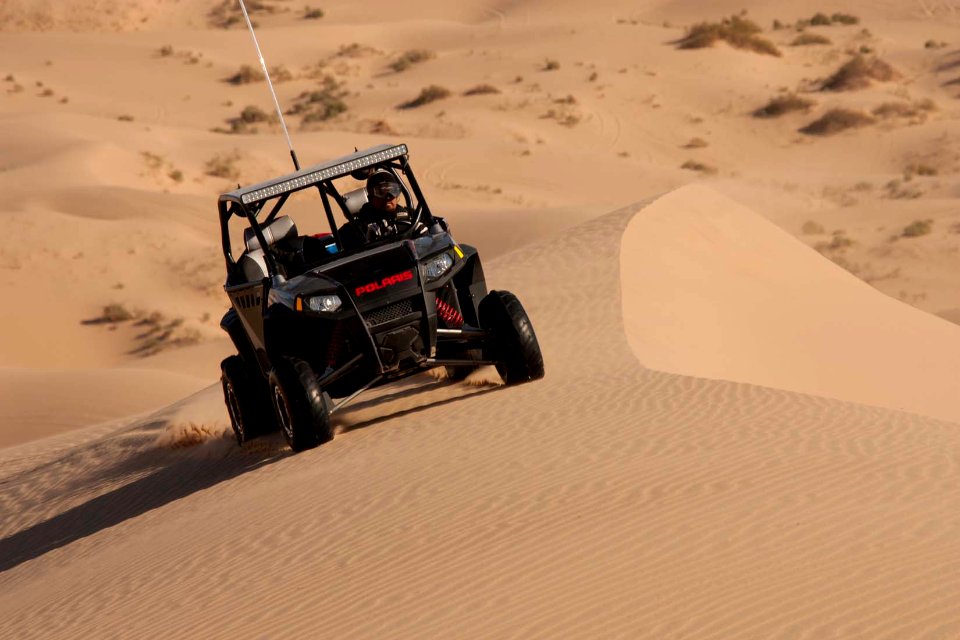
<point>436,267</point>
<point>324,304</point>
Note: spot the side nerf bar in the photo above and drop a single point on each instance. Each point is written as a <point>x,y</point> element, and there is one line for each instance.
<point>468,333</point>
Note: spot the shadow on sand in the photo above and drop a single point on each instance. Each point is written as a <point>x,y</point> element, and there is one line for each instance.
<point>179,478</point>
<point>162,486</point>
<point>407,393</point>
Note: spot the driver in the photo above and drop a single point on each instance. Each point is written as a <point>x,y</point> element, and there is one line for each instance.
<point>383,215</point>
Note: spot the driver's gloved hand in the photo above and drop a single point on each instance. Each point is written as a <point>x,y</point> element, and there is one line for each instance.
<point>373,231</point>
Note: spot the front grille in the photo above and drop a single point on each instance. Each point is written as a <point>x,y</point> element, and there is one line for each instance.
<point>389,312</point>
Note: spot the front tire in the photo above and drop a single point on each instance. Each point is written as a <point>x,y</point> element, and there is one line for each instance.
<point>249,413</point>
<point>514,344</point>
<point>301,407</point>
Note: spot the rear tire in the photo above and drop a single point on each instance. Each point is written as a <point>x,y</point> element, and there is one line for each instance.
<point>250,415</point>
<point>301,407</point>
<point>514,344</point>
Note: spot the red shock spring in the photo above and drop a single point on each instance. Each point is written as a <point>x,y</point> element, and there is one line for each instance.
<point>450,316</point>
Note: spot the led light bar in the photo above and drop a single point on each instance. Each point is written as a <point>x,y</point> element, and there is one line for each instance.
<point>324,174</point>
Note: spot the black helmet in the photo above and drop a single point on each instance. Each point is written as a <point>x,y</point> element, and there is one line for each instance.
<point>382,184</point>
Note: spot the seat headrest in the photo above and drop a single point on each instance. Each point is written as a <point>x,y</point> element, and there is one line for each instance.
<point>280,229</point>
<point>355,200</point>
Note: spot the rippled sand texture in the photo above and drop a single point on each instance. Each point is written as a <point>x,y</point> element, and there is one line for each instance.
<point>749,425</point>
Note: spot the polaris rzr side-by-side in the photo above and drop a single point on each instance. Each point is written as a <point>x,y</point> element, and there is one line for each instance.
<point>315,322</point>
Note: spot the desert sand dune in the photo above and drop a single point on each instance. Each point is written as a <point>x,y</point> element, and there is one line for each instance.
<point>716,291</point>
<point>36,403</point>
<point>607,499</point>
<point>745,430</point>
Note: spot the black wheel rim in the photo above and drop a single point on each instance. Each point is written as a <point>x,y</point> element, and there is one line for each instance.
<point>233,408</point>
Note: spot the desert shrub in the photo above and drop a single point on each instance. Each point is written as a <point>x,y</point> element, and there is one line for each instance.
<point>246,75</point>
<point>176,175</point>
<point>934,44</point>
<point>895,110</point>
<point>481,89</point>
<point>160,334</point>
<point>696,143</point>
<point>812,228</point>
<point>280,73</point>
<point>321,104</point>
<point>566,117</point>
<point>228,14</point>
<point>844,18</point>
<point>920,169</point>
<point>312,14</point>
<point>165,51</point>
<point>903,109</point>
<point>917,228</point>
<point>695,165</point>
<point>838,242</point>
<point>899,190</point>
<point>355,50</point>
<point>427,95</point>
<point>857,74</point>
<point>806,38</point>
<point>736,31</point>
<point>113,313</point>
<point>252,114</point>
<point>154,161</point>
<point>378,126</point>
<point>125,117</point>
<point>820,20</point>
<point>835,121</point>
<point>783,104</point>
<point>550,65</point>
<point>411,57</point>
<point>223,165</point>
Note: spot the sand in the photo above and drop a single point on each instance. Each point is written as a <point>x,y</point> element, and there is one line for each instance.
<point>748,427</point>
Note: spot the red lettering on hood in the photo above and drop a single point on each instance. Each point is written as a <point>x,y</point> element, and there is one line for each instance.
<point>389,281</point>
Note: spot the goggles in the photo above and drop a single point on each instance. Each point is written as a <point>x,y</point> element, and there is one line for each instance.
<point>388,189</point>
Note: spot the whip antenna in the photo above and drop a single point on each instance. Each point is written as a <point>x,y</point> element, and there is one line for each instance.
<point>276,103</point>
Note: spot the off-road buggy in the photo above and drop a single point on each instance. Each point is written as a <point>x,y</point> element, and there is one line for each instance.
<point>315,323</point>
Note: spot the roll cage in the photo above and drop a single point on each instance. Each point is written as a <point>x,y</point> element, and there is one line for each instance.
<point>249,202</point>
